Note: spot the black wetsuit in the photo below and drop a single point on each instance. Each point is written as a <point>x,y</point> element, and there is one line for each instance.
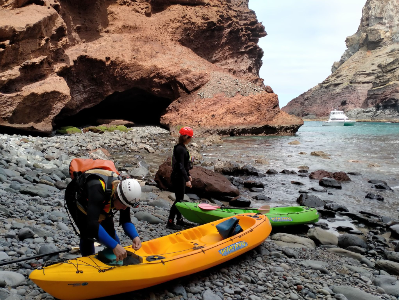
<point>180,175</point>
<point>89,225</point>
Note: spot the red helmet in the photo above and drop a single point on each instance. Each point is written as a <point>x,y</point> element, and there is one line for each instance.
<point>187,131</point>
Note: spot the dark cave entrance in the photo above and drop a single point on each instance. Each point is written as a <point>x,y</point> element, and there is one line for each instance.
<point>134,105</point>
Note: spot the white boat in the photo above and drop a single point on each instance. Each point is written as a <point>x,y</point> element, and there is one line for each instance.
<point>338,118</point>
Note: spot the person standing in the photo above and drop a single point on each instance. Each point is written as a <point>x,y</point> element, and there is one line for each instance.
<point>181,178</point>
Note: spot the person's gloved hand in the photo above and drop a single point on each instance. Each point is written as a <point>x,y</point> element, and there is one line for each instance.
<point>136,243</point>
<point>119,252</point>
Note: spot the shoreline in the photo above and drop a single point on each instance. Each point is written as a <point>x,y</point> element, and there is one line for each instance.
<point>281,268</point>
<point>359,121</point>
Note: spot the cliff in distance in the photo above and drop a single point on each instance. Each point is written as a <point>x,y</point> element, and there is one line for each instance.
<point>365,82</point>
<point>174,63</point>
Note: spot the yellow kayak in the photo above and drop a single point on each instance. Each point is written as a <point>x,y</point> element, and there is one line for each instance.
<point>162,259</point>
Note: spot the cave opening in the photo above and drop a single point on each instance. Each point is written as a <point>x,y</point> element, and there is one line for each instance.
<point>135,105</point>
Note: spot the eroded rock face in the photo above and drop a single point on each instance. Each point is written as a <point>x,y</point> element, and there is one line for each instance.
<point>138,61</point>
<point>365,82</point>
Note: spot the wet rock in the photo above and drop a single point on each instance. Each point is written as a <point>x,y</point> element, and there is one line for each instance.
<point>389,266</point>
<point>310,201</point>
<point>389,283</point>
<point>232,168</point>
<point>262,197</point>
<point>377,181</point>
<point>335,207</point>
<point>240,202</point>
<point>292,241</point>
<point>271,172</point>
<point>352,293</point>
<point>296,182</point>
<point>330,183</point>
<point>325,213</point>
<point>193,197</point>
<point>347,240</point>
<point>322,237</point>
<point>321,154</point>
<point>374,196</point>
<point>341,176</point>
<point>381,186</point>
<point>253,183</point>
<point>319,174</point>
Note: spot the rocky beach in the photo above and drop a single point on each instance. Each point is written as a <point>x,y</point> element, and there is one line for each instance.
<point>356,260</point>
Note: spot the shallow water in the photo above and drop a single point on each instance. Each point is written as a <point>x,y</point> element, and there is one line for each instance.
<point>368,148</point>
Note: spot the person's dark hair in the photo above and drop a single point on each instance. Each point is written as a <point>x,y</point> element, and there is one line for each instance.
<point>183,139</point>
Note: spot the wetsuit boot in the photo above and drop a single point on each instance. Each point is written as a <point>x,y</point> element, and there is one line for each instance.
<point>171,225</point>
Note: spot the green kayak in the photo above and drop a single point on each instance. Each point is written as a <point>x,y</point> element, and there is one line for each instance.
<point>278,216</point>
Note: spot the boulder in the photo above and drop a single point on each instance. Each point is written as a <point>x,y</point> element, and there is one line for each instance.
<point>4,256</point>
<point>341,176</point>
<point>374,196</point>
<point>240,202</point>
<point>159,203</point>
<point>352,293</point>
<point>25,233</point>
<point>394,231</point>
<point>253,183</point>
<point>319,174</point>
<point>205,182</point>
<point>315,265</point>
<point>145,216</point>
<point>347,240</point>
<point>357,256</point>
<point>389,266</point>
<point>388,283</point>
<point>310,201</point>
<point>335,207</point>
<point>12,279</point>
<point>35,191</point>
<point>330,182</point>
<point>292,241</point>
<point>322,237</point>
<point>391,255</point>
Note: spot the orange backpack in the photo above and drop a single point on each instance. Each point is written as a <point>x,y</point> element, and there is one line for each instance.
<point>81,165</point>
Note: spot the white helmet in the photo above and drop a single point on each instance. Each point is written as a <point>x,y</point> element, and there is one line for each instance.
<point>129,192</point>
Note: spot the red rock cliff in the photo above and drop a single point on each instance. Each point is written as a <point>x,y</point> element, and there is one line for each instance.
<point>365,82</point>
<point>148,61</point>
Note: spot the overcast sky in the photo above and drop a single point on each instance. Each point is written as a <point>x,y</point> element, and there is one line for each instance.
<point>304,39</point>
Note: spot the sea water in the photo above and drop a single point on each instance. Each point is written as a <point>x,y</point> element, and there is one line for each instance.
<point>370,149</point>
